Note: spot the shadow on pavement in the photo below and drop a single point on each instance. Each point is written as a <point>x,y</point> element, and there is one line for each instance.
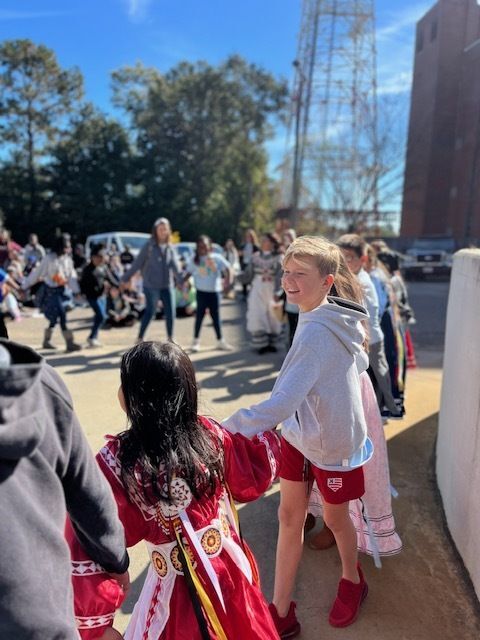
<point>134,593</point>
<point>422,593</point>
<point>86,361</point>
<point>238,373</point>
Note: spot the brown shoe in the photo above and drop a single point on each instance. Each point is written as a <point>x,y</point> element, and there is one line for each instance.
<point>324,539</point>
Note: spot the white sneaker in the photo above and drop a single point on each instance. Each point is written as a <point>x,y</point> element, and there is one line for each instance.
<point>224,346</point>
<point>195,346</point>
<point>93,343</point>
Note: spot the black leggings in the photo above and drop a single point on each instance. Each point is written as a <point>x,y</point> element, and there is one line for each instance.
<point>3,328</point>
<point>208,300</point>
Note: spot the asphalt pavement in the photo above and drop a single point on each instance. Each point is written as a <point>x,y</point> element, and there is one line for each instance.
<point>422,594</point>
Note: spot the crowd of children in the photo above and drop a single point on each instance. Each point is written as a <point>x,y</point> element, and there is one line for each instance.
<point>175,475</point>
<point>119,288</point>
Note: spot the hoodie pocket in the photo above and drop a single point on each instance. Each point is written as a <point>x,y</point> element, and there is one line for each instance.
<point>310,429</point>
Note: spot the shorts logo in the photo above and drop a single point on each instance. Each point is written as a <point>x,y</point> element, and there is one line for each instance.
<point>334,483</point>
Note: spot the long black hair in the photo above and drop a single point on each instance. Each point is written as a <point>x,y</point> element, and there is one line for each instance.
<point>165,438</point>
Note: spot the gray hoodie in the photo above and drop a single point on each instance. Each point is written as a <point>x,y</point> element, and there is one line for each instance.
<point>46,470</point>
<point>317,394</point>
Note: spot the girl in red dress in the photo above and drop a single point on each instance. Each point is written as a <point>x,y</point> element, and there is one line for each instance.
<point>175,476</point>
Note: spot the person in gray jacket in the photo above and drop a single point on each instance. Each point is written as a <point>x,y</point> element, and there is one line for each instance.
<point>46,471</point>
<point>354,249</point>
<point>160,270</point>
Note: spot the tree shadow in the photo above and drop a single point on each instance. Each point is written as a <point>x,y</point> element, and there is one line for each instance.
<point>429,573</point>
<point>421,573</point>
<point>240,372</point>
<point>84,362</point>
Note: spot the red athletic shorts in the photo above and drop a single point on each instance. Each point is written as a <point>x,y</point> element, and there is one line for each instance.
<point>336,487</point>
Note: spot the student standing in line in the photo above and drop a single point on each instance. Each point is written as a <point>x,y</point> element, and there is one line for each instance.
<point>354,249</point>
<point>289,235</point>
<point>264,272</point>
<point>249,247</point>
<point>233,258</point>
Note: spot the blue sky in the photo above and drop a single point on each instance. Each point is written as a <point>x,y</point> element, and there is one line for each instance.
<point>99,36</point>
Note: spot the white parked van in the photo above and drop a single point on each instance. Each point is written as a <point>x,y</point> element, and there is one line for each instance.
<point>120,238</point>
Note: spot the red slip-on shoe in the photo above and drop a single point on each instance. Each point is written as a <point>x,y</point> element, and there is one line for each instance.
<point>347,604</point>
<point>287,627</point>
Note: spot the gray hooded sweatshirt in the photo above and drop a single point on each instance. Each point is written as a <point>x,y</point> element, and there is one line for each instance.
<point>317,394</point>
<point>46,470</point>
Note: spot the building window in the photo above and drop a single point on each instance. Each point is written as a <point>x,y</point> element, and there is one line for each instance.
<point>453,193</point>
<point>433,30</point>
<point>419,40</point>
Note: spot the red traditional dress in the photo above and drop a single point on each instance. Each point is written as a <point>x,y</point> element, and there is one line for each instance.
<point>205,532</point>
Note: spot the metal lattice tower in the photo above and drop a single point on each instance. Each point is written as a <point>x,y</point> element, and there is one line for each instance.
<point>334,155</point>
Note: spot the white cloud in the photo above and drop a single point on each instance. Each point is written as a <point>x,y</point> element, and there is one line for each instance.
<point>6,14</point>
<point>396,83</point>
<point>138,9</point>
<point>395,43</point>
<point>402,21</point>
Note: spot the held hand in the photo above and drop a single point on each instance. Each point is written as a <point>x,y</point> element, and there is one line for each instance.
<point>123,580</point>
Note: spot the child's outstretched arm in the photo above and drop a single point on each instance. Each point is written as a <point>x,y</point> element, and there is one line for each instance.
<point>299,373</point>
<point>250,465</point>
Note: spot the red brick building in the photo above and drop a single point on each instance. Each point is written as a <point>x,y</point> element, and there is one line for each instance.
<point>442,173</point>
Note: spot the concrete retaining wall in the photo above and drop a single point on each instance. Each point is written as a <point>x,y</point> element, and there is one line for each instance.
<point>458,445</point>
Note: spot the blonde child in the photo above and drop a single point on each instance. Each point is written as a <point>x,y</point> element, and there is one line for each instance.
<point>372,515</point>
<point>317,397</point>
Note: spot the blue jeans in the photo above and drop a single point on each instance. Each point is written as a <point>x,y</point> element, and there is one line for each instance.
<point>152,296</point>
<point>99,306</point>
<point>53,308</point>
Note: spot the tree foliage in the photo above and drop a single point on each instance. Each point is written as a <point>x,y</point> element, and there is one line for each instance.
<point>199,132</point>
<point>36,96</point>
<point>88,176</point>
<point>190,146</point>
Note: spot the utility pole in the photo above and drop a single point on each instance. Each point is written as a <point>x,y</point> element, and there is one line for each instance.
<point>298,147</point>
